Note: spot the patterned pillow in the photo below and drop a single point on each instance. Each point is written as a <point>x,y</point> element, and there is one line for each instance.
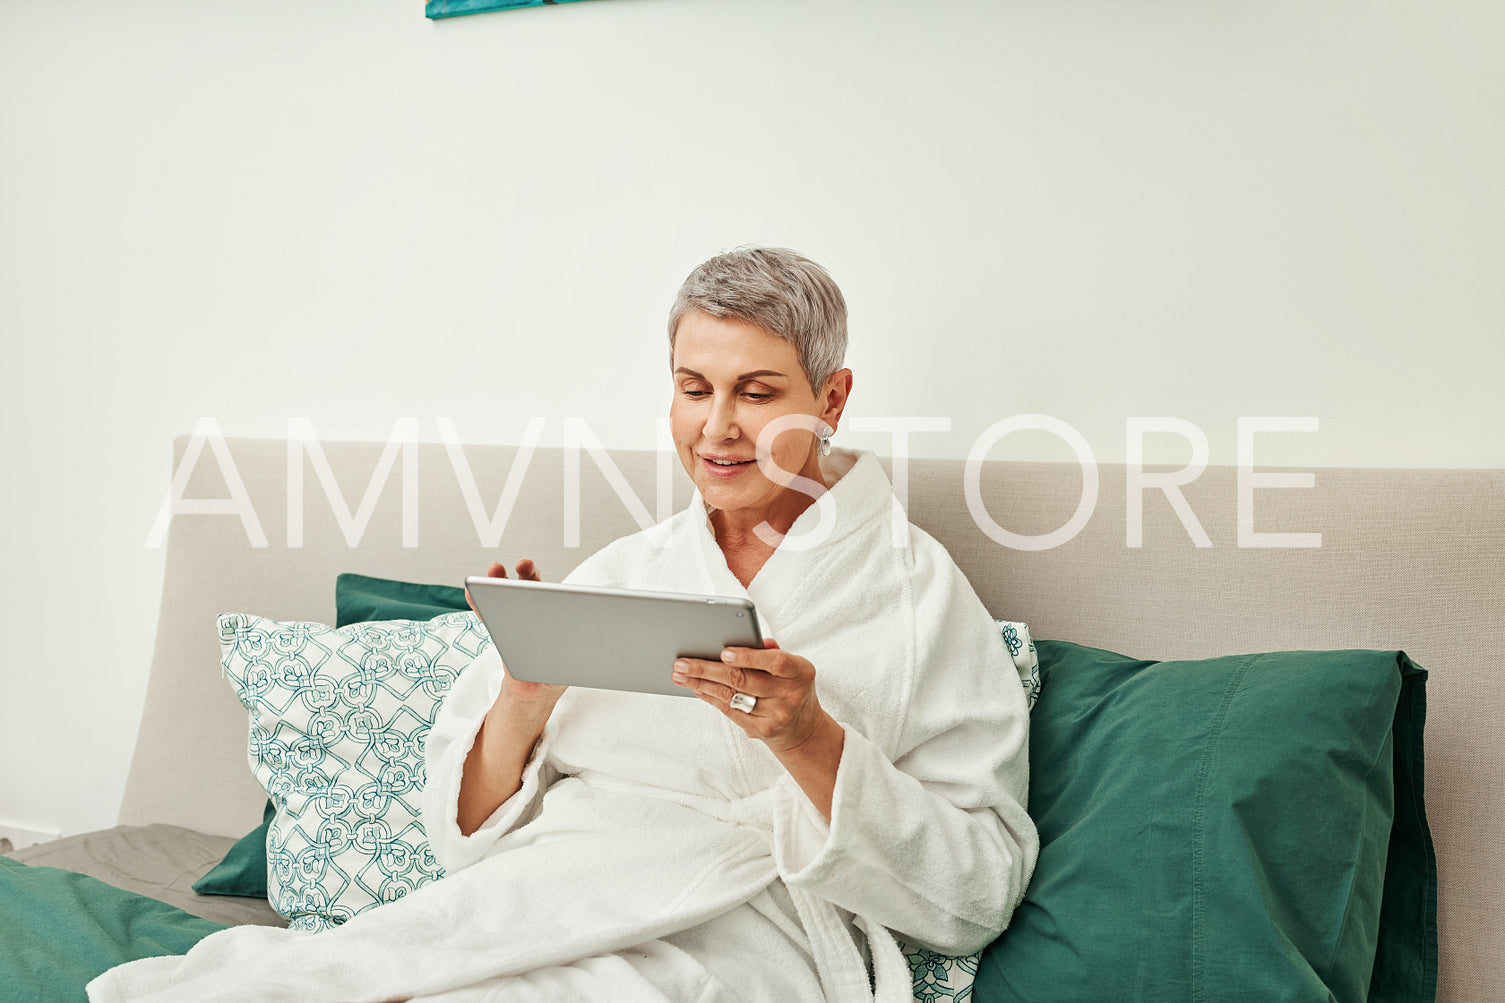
<point>1022,649</point>
<point>338,723</point>
<point>940,977</point>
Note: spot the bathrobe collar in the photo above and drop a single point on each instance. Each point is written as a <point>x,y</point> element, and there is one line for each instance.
<point>857,489</point>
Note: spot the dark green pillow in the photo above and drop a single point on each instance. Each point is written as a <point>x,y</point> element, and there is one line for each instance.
<point>1246,827</point>
<point>244,869</point>
<point>361,599</point>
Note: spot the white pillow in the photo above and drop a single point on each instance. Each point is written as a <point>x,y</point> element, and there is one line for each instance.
<point>339,718</point>
<point>1022,649</point>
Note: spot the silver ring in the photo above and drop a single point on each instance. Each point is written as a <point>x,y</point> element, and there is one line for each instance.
<point>743,702</point>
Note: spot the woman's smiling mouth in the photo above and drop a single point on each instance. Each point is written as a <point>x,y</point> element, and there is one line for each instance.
<point>726,466</point>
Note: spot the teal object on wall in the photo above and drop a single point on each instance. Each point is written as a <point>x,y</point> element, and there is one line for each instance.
<point>454,8</point>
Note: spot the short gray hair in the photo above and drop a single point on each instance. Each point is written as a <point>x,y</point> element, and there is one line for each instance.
<point>779,290</point>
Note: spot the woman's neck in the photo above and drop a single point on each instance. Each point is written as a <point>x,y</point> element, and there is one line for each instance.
<point>736,530</point>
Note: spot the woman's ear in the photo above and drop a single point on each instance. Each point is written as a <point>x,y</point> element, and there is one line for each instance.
<point>834,396</point>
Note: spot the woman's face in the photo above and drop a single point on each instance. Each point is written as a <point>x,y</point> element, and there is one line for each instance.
<point>731,379</point>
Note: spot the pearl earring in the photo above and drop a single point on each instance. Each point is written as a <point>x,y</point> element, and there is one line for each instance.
<point>825,441</point>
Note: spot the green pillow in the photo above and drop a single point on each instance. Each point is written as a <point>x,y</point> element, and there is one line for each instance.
<point>244,869</point>
<point>1249,826</point>
<point>361,599</point>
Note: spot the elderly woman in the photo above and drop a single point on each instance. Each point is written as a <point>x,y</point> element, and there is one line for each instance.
<point>862,776</point>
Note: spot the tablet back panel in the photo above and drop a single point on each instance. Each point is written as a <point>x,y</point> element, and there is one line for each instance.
<point>614,639</point>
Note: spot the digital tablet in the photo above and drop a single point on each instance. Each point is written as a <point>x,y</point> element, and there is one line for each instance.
<point>614,639</point>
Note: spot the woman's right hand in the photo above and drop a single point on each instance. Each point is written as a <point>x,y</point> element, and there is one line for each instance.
<point>525,699</point>
<point>494,766</point>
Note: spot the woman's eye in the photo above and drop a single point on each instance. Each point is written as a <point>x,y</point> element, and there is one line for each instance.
<point>697,394</point>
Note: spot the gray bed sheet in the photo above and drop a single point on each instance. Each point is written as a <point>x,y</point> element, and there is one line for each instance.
<point>160,861</point>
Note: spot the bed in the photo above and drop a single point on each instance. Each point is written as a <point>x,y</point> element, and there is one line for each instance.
<point>1407,570</point>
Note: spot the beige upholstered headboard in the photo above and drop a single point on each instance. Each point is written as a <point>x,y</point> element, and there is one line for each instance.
<point>1408,559</point>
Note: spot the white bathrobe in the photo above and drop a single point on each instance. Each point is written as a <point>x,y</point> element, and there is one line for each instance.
<point>656,852</point>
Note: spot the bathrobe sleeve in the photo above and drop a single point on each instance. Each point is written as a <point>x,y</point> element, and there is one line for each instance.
<point>454,732</point>
<point>449,743</point>
<point>932,842</point>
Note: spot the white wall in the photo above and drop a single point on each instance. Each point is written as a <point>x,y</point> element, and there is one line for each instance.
<point>340,210</point>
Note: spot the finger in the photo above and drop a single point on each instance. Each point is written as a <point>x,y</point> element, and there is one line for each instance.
<point>738,678</point>
<point>493,570</point>
<point>743,719</point>
<point>731,678</point>
<point>773,661</point>
<point>719,704</point>
<point>692,672</point>
<point>527,570</point>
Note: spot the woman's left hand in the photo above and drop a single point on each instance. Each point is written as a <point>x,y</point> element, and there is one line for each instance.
<point>787,713</point>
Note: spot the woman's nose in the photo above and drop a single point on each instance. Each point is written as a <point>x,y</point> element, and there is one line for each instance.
<point>721,422</point>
